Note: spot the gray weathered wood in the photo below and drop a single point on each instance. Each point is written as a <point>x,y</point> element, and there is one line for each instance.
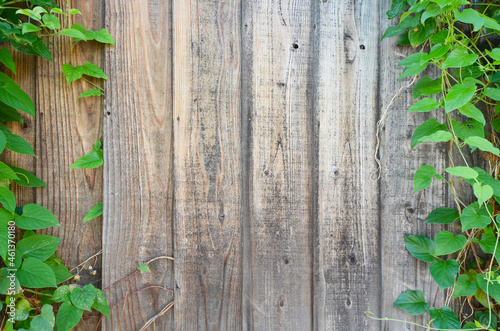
<point>347,260</point>
<point>402,211</point>
<point>207,179</point>
<point>277,90</point>
<point>138,165</point>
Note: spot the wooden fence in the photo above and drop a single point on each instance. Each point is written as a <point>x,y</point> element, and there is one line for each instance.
<point>239,138</point>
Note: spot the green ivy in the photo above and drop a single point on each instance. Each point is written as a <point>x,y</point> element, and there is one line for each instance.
<point>462,41</point>
<point>32,278</point>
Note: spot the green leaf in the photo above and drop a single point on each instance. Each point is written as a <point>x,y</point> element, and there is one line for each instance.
<point>482,144</point>
<point>39,246</point>
<point>72,73</point>
<point>432,11</point>
<point>464,172</point>
<point>488,242</point>
<point>27,179</point>
<point>439,51</point>
<point>100,303</point>
<point>412,302</point>
<point>93,70</point>
<point>62,294</point>
<point>491,287</point>
<point>458,96</point>
<point>473,217</point>
<point>426,86</point>
<point>90,93</point>
<point>444,318</point>
<point>60,271</point>
<point>482,192</point>
<point>444,272</point>
<point>89,35</point>
<point>420,247</point>
<point>36,217</point>
<point>5,282</point>
<point>6,59</point>
<point>470,16</point>
<point>421,33</point>
<point>443,216</point>
<point>467,129</point>
<point>7,199</point>
<point>96,211</point>
<point>36,274</point>
<point>94,159</point>
<point>23,307</point>
<point>492,93</point>
<point>51,22</point>
<point>423,177</point>
<point>74,11</point>
<point>9,114</point>
<point>447,243</point>
<point>28,28</point>
<point>424,105</point>
<point>73,33</point>
<point>104,37</point>
<point>464,287</point>
<point>68,317</point>
<point>471,111</point>
<point>144,267</point>
<point>459,58</point>
<point>45,321</point>
<point>83,298</point>
<point>438,136</point>
<point>11,94</point>
<point>427,128</point>
<point>483,317</point>
<point>18,144</point>
<point>397,7</point>
<point>6,172</point>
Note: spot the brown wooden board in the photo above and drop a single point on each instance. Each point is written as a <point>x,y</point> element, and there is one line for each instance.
<point>277,89</point>
<point>402,211</point>
<point>66,129</point>
<point>207,164</point>
<point>347,260</point>
<point>137,219</point>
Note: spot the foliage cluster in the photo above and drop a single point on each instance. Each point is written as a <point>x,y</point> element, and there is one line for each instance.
<point>460,39</point>
<point>35,289</point>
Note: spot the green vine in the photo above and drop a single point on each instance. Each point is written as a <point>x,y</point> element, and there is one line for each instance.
<point>461,40</point>
<point>37,292</point>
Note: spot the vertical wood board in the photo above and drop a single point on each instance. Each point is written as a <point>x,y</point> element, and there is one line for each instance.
<point>277,72</point>
<point>347,261</point>
<point>403,212</point>
<point>207,164</point>
<point>138,165</point>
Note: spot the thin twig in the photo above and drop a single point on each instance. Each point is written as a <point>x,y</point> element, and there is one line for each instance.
<point>152,319</point>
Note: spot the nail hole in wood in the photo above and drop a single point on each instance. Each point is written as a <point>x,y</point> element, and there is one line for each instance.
<point>295,45</point>
<point>361,46</point>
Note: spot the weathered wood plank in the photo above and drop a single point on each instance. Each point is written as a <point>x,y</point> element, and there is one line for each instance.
<point>277,86</point>
<point>347,261</point>
<point>402,211</point>
<point>207,202</point>
<point>137,223</point>
<point>66,129</point>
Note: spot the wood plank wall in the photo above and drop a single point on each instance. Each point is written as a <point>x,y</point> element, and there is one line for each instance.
<point>239,138</point>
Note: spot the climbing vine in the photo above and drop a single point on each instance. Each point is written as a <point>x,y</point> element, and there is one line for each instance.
<point>37,292</point>
<point>461,39</point>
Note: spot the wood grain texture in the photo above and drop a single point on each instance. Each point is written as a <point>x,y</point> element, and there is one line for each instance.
<point>277,86</point>
<point>137,219</point>
<point>66,129</point>
<point>207,163</point>
<point>402,211</point>
<point>347,261</point>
